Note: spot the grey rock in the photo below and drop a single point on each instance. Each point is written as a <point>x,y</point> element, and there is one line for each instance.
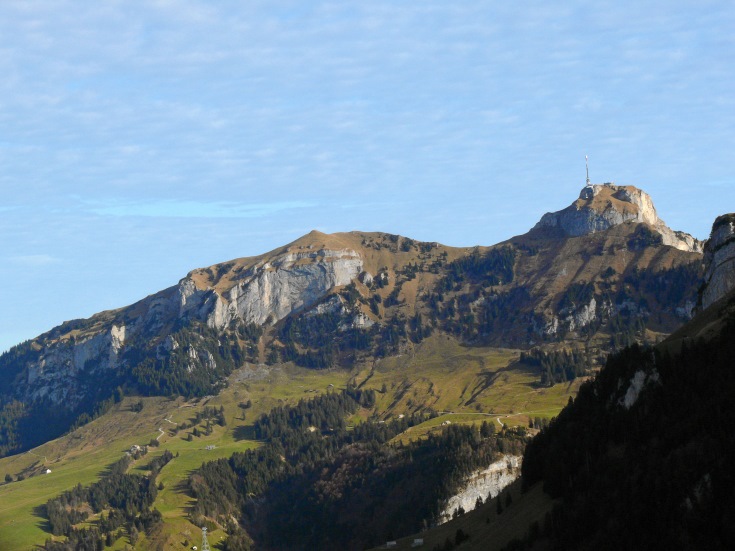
<point>602,206</point>
<point>268,292</point>
<point>719,261</point>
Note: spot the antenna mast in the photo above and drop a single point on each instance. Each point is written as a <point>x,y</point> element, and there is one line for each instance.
<point>587,166</point>
<point>205,543</point>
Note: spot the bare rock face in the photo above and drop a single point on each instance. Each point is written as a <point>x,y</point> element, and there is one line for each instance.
<point>602,206</point>
<point>266,292</point>
<point>48,377</point>
<point>271,290</point>
<point>719,261</point>
<point>572,318</point>
<point>486,484</point>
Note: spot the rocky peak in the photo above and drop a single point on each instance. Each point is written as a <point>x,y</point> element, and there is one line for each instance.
<point>602,206</point>
<point>719,261</point>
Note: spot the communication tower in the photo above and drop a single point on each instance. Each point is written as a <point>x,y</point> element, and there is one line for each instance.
<point>205,543</point>
<point>587,166</point>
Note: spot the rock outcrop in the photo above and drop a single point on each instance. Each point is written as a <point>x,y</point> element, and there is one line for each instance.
<point>485,484</point>
<point>50,377</point>
<point>719,261</point>
<point>262,292</point>
<point>602,206</point>
<point>272,290</point>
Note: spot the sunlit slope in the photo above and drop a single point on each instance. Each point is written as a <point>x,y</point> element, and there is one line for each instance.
<point>470,384</point>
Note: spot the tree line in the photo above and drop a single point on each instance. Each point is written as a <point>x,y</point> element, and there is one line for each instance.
<point>126,498</point>
<point>557,366</point>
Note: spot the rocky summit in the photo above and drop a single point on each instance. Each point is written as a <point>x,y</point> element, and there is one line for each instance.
<point>602,206</point>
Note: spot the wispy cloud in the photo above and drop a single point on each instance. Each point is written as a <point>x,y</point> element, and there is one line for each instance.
<point>195,209</point>
<point>319,113</point>
<point>34,260</point>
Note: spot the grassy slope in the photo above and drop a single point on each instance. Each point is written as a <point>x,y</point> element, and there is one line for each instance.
<point>449,377</point>
<point>469,382</point>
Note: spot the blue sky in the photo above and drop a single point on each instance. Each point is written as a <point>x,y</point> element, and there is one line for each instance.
<point>142,139</point>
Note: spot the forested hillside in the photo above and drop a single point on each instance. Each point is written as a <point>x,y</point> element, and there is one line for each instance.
<point>643,457</point>
<point>318,484</point>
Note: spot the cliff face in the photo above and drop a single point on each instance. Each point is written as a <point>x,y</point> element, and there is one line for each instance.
<point>52,376</point>
<point>485,484</point>
<point>602,206</point>
<point>262,293</point>
<point>719,261</point>
<point>271,290</point>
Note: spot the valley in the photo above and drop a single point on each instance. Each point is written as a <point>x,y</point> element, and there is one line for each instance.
<point>440,373</point>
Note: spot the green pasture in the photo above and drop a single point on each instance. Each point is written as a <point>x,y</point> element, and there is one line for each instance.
<point>465,384</point>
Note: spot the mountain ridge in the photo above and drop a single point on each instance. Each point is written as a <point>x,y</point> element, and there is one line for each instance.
<point>338,299</point>
<point>414,329</point>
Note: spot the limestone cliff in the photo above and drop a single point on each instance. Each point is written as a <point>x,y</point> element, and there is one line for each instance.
<point>719,261</point>
<point>261,291</point>
<point>602,206</point>
<point>485,484</point>
<point>273,288</point>
<point>50,376</point>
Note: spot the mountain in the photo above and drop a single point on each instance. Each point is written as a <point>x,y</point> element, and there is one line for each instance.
<point>642,458</point>
<point>602,273</point>
<point>336,379</point>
